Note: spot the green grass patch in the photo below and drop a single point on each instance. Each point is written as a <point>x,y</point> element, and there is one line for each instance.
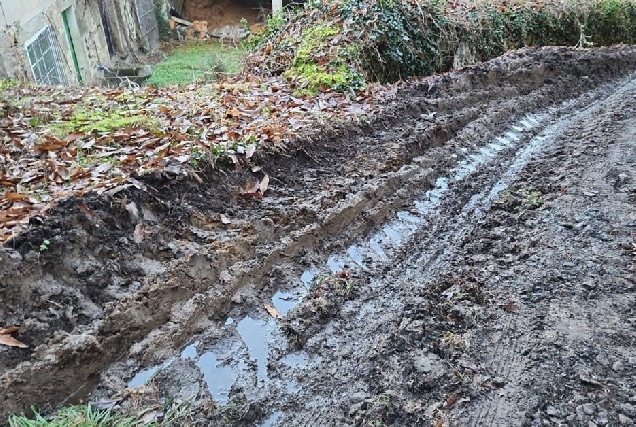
<point>131,414</point>
<point>75,416</point>
<point>193,62</point>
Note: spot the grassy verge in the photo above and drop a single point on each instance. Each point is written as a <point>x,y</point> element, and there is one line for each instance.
<point>131,415</point>
<point>193,62</point>
<point>77,416</point>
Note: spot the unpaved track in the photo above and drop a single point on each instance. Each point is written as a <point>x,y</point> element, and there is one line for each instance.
<point>484,227</point>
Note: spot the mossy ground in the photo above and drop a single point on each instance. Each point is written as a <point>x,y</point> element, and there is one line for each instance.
<point>313,73</point>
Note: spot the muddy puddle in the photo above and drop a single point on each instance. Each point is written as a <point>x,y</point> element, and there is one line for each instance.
<point>251,352</point>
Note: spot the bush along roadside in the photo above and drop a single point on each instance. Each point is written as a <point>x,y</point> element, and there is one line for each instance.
<point>339,45</point>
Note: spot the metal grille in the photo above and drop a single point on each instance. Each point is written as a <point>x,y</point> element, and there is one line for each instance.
<point>147,23</point>
<point>45,57</point>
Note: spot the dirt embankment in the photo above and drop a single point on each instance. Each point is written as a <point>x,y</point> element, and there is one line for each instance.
<point>93,295</point>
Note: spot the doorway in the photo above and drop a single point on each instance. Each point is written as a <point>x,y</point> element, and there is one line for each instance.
<point>74,41</point>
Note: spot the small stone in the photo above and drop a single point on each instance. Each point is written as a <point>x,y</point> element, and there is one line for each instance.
<point>589,408</point>
<point>602,360</point>
<point>552,411</point>
<point>591,424</point>
<point>632,360</point>
<point>617,366</point>
<point>602,418</point>
<point>633,399</point>
<point>625,421</point>
<point>357,397</point>
<point>628,409</point>
<point>498,382</point>
<point>422,364</point>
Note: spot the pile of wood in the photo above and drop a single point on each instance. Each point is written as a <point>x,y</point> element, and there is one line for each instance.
<point>182,29</point>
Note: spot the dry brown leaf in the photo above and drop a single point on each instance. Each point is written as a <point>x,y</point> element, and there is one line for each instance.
<point>132,210</point>
<point>15,196</point>
<point>150,417</point>
<point>272,311</point>
<point>249,151</point>
<point>88,212</point>
<point>138,235</point>
<point>8,340</point>
<point>262,187</point>
<point>452,399</point>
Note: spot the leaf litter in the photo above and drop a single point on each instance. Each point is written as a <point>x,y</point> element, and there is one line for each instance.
<point>7,340</point>
<point>57,143</point>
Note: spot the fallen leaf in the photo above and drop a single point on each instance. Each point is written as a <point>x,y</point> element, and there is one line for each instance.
<point>263,185</point>
<point>510,306</point>
<point>15,196</point>
<point>105,404</point>
<point>132,210</point>
<point>452,399</point>
<point>88,212</point>
<point>138,235</point>
<point>249,151</point>
<point>8,340</point>
<point>151,417</point>
<point>272,311</point>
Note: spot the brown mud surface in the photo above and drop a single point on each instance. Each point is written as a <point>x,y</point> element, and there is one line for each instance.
<point>463,259</point>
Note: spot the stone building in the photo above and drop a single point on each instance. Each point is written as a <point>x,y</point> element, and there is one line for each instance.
<point>67,42</point>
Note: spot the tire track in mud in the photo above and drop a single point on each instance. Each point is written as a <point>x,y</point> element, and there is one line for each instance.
<point>566,320</point>
<point>435,252</point>
<point>433,259</point>
<point>219,273</point>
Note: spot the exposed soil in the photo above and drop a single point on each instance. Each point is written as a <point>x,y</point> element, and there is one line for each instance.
<point>220,12</point>
<point>464,259</point>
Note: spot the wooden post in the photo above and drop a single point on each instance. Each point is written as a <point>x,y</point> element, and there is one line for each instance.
<point>277,5</point>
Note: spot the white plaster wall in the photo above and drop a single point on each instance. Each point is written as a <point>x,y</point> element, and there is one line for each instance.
<point>20,20</point>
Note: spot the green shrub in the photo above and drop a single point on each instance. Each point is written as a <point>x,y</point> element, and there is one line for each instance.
<point>389,40</point>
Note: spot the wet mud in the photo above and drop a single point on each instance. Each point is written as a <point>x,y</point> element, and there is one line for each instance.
<point>463,259</point>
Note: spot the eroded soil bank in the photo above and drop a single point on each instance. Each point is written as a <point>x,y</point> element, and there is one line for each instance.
<point>463,259</point>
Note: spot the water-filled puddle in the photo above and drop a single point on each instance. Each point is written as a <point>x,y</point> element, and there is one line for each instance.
<point>190,352</point>
<point>146,375</point>
<point>143,377</point>
<point>335,264</point>
<point>307,278</point>
<point>218,376</point>
<point>286,301</point>
<point>223,368</point>
<point>256,335</point>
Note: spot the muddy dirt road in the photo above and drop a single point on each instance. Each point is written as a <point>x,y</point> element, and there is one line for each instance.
<point>465,259</point>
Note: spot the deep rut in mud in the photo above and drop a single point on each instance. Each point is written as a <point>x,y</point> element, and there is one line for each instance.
<point>460,260</point>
